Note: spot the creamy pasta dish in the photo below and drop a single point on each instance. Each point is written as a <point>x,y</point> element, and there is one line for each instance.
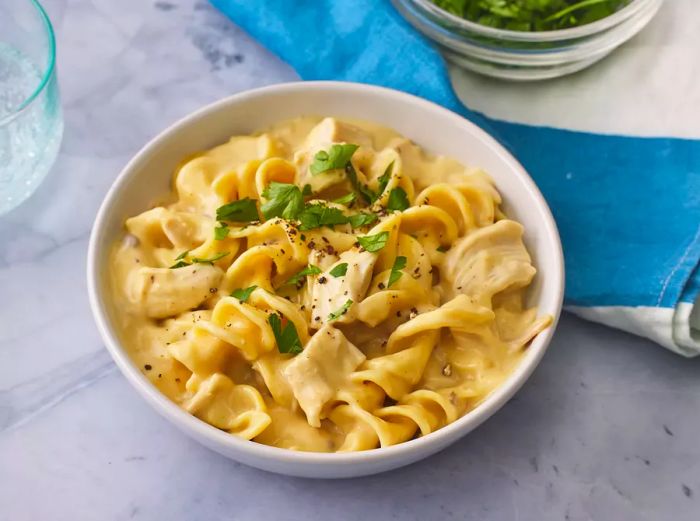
<point>325,286</point>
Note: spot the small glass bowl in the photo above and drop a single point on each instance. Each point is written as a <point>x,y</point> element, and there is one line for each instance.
<point>523,56</point>
<point>31,121</point>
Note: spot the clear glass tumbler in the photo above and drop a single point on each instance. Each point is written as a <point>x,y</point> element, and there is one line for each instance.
<point>31,124</point>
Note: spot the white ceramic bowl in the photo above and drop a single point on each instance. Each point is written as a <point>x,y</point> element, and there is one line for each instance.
<point>148,176</point>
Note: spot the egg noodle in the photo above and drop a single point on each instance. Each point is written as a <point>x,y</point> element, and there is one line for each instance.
<point>325,286</point>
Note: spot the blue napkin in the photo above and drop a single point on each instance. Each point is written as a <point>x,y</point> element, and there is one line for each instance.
<point>628,208</point>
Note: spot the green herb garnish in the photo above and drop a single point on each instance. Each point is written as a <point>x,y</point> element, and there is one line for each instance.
<point>287,338</point>
<point>240,211</point>
<point>398,200</point>
<point>341,311</point>
<point>347,199</point>
<point>399,264</point>
<point>243,294</point>
<point>337,157</point>
<point>210,260</point>
<point>362,219</point>
<point>298,277</point>
<point>306,191</point>
<point>318,215</point>
<point>384,178</point>
<point>374,243</point>
<point>221,232</point>
<point>365,191</point>
<point>442,249</point>
<point>283,200</point>
<point>340,270</point>
<point>532,15</point>
<point>182,259</point>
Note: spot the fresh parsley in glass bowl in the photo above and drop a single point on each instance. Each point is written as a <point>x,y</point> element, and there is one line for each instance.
<point>528,39</point>
<point>532,15</point>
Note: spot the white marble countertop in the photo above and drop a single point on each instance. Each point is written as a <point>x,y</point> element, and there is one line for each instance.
<point>606,429</point>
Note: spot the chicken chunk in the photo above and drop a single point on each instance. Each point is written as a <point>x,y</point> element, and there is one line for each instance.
<point>318,372</point>
<point>322,137</point>
<point>329,293</point>
<point>163,292</point>
<point>488,261</point>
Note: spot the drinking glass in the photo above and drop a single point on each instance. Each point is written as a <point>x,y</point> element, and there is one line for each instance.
<point>31,124</point>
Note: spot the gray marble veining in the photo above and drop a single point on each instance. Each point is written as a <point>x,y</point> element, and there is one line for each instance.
<point>606,429</point>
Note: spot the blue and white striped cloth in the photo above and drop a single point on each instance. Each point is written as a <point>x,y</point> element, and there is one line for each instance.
<point>628,208</point>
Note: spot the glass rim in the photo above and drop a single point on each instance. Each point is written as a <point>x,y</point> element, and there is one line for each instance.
<point>534,36</point>
<point>48,72</point>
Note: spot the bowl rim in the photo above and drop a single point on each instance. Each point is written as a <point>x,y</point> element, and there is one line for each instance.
<point>215,437</point>
<point>532,36</point>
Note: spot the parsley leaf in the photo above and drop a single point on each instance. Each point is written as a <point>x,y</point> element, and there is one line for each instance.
<point>362,219</point>
<point>309,270</point>
<point>540,15</point>
<point>384,178</point>
<point>243,294</point>
<point>240,211</point>
<point>398,199</point>
<point>338,156</point>
<point>210,260</point>
<point>367,194</point>
<point>340,270</point>
<point>287,338</point>
<point>317,215</point>
<point>374,242</point>
<point>347,199</point>
<point>341,311</point>
<point>283,200</point>
<point>221,232</point>
<point>182,260</point>
<point>399,264</point>
<point>442,249</point>
<point>306,191</point>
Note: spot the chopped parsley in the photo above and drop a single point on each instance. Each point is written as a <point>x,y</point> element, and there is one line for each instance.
<point>347,199</point>
<point>210,260</point>
<point>398,199</point>
<point>318,215</point>
<point>528,15</point>
<point>243,294</point>
<point>240,211</point>
<point>399,264</point>
<point>283,200</point>
<point>299,277</point>
<point>221,232</point>
<point>374,243</point>
<point>341,311</point>
<point>384,178</point>
<point>340,270</point>
<point>287,338</point>
<point>362,219</point>
<point>335,158</point>
<point>442,249</point>
<point>181,260</point>
<point>179,264</point>
<point>365,191</point>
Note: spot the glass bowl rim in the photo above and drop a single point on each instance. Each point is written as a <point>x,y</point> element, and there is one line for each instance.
<point>532,36</point>
<point>47,73</point>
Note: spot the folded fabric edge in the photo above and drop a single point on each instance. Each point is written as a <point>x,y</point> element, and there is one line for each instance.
<point>676,328</point>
